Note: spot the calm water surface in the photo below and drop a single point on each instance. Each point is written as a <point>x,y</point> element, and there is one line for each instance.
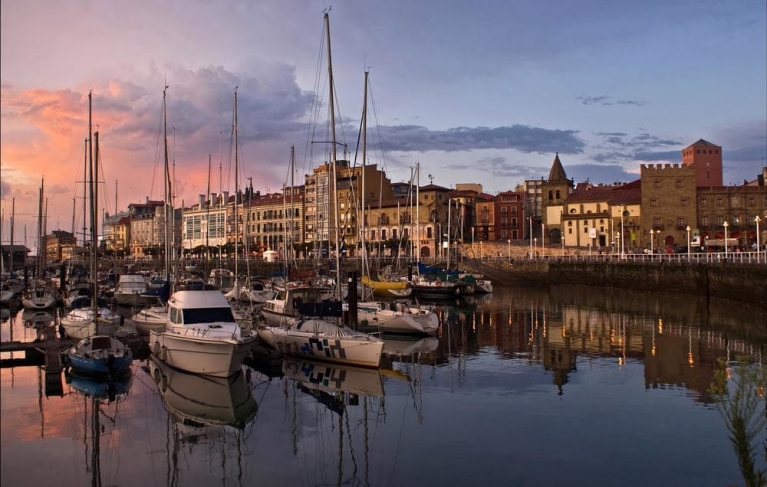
<point>524,387</point>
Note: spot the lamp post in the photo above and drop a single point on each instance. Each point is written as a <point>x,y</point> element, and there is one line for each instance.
<point>531,237</point>
<point>725,238</point>
<point>543,239</point>
<point>480,250</point>
<point>535,245</point>
<point>652,250</point>
<point>758,243</point>
<point>623,210</point>
<point>509,242</point>
<point>688,242</point>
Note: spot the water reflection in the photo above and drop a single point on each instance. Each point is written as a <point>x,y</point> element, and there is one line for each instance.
<point>97,404</point>
<point>199,404</point>
<point>525,370</point>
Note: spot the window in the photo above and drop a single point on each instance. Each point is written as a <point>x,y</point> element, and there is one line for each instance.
<point>751,201</point>
<point>719,202</point>
<point>678,183</point>
<point>653,202</point>
<point>656,184</point>
<point>704,202</point>
<point>704,221</point>
<point>684,201</point>
<point>681,222</point>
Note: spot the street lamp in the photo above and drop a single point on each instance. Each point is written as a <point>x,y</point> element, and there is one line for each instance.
<point>543,238</point>
<point>652,250</point>
<point>688,242</point>
<point>509,242</point>
<point>535,245</point>
<point>725,238</point>
<point>758,243</point>
<point>531,237</point>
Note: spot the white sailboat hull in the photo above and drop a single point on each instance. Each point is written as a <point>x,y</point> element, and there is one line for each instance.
<point>150,319</point>
<point>358,350</point>
<point>81,323</point>
<point>402,319</point>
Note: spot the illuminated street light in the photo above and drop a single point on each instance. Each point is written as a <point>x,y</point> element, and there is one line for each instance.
<point>725,238</point>
<point>652,250</point>
<point>688,242</point>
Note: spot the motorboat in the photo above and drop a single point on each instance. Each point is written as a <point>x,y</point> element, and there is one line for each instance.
<point>201,335</point>
<point>131,290</point>
<point>397,317</point>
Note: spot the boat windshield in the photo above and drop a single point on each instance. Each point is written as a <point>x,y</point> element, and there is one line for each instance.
<point>207,315</point>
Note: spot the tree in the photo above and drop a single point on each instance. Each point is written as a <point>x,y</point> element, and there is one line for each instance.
<point>739,390</point>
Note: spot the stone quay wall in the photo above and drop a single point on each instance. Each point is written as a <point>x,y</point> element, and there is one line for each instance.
<point>746,283</point>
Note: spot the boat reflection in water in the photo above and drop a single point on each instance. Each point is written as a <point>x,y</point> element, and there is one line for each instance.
<point>37,318</point>
<point>201,404</point>
<point>403,347</point>
<point>100,399</point>
<point>333,378</point>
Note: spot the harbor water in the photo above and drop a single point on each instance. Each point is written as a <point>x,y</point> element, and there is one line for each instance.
<point>523,387</point>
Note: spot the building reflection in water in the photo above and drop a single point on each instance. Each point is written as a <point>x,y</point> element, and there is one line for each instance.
<point>541,329</point>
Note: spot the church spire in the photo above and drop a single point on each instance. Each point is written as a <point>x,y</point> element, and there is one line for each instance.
<point>557,173</point>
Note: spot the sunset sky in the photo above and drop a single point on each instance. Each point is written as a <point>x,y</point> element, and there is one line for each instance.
<point>477,92</point>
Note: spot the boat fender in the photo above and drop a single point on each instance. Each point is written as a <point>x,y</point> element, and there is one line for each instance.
<point>163,354</point>
<point>156,376</point>
<point>439,283</point>
<point>163,383</point>
<point>157,350</point>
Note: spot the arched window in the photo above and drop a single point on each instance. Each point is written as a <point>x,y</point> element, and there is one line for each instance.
<point>559,194</point>
<point>551,195</point>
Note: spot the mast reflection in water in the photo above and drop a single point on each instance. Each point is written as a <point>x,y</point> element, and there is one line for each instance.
<point>567,386</point>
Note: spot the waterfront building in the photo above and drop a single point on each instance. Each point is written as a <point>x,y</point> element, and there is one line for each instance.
<point>60,245</point>
<point>668,203</point>
<point>148,227</point>
<point>204,223</point>
<point>110,231</point>
<point>510,216</point>
<point>593,216</point>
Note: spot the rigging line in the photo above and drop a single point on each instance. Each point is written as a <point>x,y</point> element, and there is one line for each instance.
<point>378,127</point>
<point>158,150</point>
<point>315,102</point>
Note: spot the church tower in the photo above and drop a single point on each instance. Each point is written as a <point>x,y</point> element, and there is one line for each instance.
<point>554,193</point>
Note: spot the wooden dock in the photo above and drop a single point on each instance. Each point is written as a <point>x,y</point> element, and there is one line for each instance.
<point>47,353</point>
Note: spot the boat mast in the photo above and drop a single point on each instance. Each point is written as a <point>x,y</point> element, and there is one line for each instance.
<point>167,202</point>
<point>94,229</point>
<point>364,157</point>
<point>207,219</point>
<point>236,189</point>
<point>333,195</point>
<point>13,213</point>
<point>85,179</point>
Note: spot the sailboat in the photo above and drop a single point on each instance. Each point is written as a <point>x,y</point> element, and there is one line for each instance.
<point>99,352</point>
<point>323,336</point>
<point>87,321</point>
<point>156,316</point>
<point>43,294</point>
